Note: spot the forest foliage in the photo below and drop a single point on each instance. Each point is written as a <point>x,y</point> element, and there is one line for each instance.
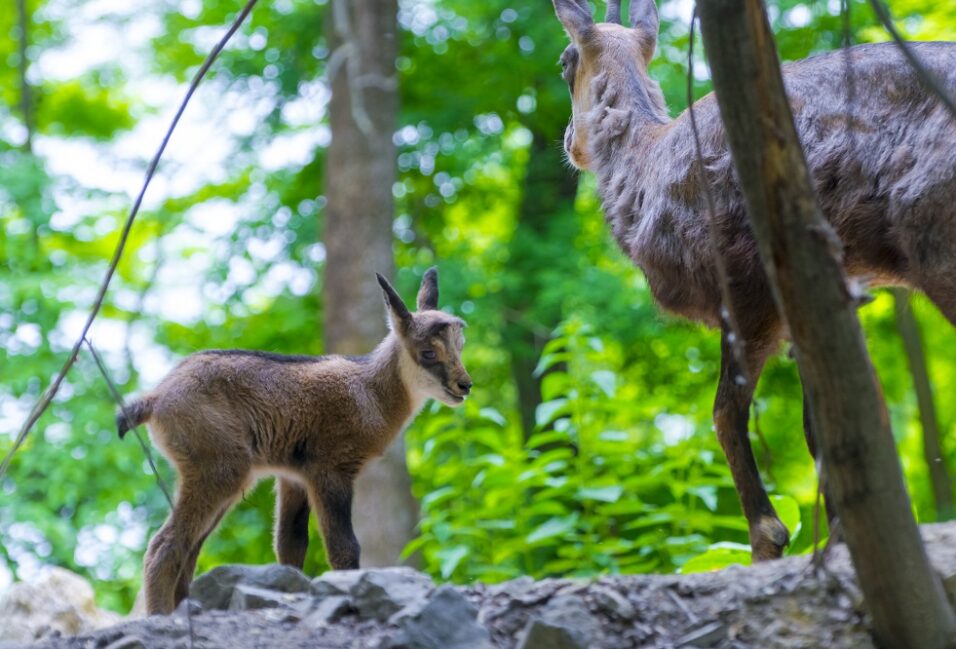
<point>617,469</point>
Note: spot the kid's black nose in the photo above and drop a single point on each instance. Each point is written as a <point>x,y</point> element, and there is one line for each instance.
<point>465,386</point>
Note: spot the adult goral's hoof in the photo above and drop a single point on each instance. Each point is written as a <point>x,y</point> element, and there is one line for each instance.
<point>768,538</point>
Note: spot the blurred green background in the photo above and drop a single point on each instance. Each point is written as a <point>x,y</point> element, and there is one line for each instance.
<point>612,468</point>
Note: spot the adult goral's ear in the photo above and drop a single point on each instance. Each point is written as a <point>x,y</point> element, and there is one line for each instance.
<point>398,312</point>
<point>645,20</point>
<point>575,15</point>
<point>428,292</point>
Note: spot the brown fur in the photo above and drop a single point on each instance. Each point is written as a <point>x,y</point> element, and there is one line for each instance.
<point>884,166</point>
<point>225,418</point>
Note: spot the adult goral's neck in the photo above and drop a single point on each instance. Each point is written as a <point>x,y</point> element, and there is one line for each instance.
<point>629,115</point>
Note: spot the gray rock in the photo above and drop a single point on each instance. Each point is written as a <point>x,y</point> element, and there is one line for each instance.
<point>127,642</point>
<point>336,582</point>
<point>541,634</point>
<point>447,621</point>
<point>381,593</point>
<point>526,590</point>
<point>214,590</point>
<point>708,635</point>
<point>247,598</point>
<point>411,609</point>
<point>565,623</point>
<point>512,587</point>
<point>195,608</point>
<point>59,602</point>
<point>611,601</point>
<point>330,609</point>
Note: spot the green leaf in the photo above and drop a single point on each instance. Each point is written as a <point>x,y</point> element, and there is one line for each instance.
<point>609,494</point>
<point>789,513</point>
<point>546,412</point>
<point>494,415</point>
<point>706,493</point>
<point>614,436</point>
<point>606,380</point>
<point>717,557</point>
<point>547,361</point>
<point>449,558</point>
<point>438,496</point>
<point>556,526</point>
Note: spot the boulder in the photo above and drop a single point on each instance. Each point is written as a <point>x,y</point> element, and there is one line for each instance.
<point>329,610</point>
<point>214,590</point>
<point>565,623</point>
<point>447,621</point>
<point>247,598</point>
<point>383,592</point>
<point>59,602</point>
<point>336,582</point>
<point>612,602</point>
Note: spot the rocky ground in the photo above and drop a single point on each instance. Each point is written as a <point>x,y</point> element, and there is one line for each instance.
<point>781,604</point>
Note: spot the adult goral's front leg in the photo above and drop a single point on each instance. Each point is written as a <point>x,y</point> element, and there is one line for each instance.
<point>768,536</point>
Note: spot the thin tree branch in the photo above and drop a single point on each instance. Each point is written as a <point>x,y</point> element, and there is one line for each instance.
<point>44,402</point>
<point>727,312</point>
<point>927,78</point>
<point>137,311</point>
<point>118,398</point>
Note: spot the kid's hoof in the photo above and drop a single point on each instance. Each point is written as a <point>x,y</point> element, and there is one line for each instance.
<point>768,538</point>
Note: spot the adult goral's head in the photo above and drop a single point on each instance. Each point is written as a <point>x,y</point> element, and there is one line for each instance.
<point>614,55</point>
<point>433,339</point>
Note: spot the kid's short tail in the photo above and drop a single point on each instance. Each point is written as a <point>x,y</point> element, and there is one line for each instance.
<point>133,415</point>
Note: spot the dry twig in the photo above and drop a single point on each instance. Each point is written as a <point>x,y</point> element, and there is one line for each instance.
<point>47,397</point>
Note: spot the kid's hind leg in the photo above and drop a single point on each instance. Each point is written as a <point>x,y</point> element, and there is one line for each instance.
<point>291,536</point>
<point>182,587</point>
<point>202,496</point>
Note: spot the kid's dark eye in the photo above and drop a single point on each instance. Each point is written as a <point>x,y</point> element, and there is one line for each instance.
<point>429,355</point>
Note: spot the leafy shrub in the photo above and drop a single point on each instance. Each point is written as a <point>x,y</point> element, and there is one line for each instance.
<point>593,490</point>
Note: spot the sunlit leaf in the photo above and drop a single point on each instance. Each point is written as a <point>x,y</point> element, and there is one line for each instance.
<point>607,494</point>
<point>551,528</point>
<point>717,557</point>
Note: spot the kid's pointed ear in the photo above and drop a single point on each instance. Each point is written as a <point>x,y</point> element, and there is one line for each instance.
<point>428,292</point>
<point>575,15</point>
<point>399,315</point>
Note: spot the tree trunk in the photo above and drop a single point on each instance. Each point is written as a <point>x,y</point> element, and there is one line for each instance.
<point>360,172</point>
<point>549,191</point>
<point>799,250</point>
<point>939,476</point>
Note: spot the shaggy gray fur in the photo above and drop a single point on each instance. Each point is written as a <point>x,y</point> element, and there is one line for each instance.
<point>884,168</point>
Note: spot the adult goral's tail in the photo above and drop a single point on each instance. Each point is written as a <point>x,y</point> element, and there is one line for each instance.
<point>133,415</point>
